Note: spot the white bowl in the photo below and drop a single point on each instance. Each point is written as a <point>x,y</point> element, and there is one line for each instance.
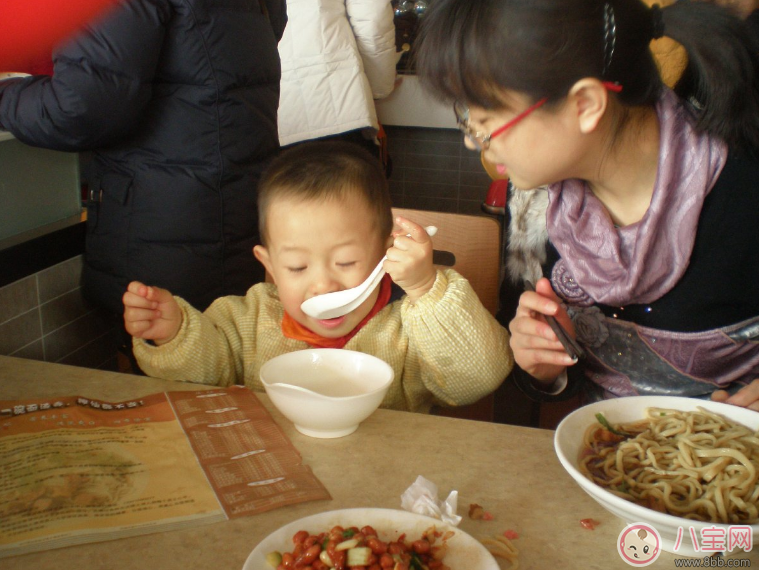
<point>568,444</point>
<point>326,392</point>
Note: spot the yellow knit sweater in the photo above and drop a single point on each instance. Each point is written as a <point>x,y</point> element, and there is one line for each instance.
<point>445,349</point>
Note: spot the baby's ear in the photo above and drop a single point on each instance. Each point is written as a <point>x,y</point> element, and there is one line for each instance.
<point>262,255</point>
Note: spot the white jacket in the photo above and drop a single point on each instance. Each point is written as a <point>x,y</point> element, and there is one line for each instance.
<point>337,57</point>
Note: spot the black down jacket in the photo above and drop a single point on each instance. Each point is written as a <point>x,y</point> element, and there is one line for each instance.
<point>177,99</point>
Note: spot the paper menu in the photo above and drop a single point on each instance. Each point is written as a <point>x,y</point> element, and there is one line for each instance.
<point>75,470</point>
<point>250,463</point>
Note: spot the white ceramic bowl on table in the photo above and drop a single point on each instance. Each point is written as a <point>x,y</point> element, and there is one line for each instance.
<point>568,443</point>
<point>326,392</point>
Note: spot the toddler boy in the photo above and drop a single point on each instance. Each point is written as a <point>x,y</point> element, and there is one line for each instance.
<point>325,222</point>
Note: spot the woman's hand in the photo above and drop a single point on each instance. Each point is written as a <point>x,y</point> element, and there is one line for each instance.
<point>409,260</point>
<point>151,313</point>
<point>746,397</point>
<point>536,348</point>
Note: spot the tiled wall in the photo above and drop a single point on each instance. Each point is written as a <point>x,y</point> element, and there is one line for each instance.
<point>44,317</point>
<point>433,170</point>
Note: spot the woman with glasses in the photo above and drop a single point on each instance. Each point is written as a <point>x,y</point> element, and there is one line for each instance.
<point>634,207</point>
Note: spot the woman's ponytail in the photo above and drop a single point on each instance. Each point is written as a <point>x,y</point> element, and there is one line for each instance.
<point>721,78</point>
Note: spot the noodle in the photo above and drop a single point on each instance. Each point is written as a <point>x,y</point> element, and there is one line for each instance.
<point>697,465</point>
<point>503,548</point>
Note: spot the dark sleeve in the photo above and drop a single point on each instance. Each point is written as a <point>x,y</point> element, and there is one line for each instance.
<point>102,82</point>
<point>528,385</point>
<point>277,16</point>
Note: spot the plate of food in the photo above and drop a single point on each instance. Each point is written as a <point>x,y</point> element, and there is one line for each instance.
<point>457,549</point>
<point>677,464</point>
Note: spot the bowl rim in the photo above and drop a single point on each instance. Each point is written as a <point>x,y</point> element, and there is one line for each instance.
<point>639,512</point>
<point>385,385</point>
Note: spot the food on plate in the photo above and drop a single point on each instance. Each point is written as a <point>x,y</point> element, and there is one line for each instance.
<point>353,548</point>
<point>502,547</point>
<point>698,465</point>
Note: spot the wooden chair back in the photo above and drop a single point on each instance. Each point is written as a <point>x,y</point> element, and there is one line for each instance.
<point>469,244</point>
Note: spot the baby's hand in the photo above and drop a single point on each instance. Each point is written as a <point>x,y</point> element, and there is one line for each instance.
<point>746,397</point>
<point>409,260</point>
<point>151,313</point>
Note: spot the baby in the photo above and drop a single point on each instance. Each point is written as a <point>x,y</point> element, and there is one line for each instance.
<point>326,222</point>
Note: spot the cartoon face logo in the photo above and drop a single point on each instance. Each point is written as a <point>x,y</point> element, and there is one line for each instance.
<point>639,544</point>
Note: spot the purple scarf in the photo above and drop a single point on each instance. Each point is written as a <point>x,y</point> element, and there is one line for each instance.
<point>641,262</point>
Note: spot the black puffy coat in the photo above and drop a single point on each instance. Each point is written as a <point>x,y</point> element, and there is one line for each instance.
<point>177,99</point>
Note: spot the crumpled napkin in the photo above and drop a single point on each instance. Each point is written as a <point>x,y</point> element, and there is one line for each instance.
<point>421,498</point>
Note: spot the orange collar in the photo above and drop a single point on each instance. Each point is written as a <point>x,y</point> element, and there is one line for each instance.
<point>294,330</point>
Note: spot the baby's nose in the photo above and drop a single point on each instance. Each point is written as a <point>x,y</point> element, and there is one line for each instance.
<point>325,283</point>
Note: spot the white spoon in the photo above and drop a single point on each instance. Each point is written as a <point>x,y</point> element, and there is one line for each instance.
<point>339,303</point>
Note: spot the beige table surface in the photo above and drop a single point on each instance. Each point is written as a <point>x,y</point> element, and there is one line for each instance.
<point>512,471</point>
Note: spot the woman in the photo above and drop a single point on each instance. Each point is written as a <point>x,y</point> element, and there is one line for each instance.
<point>637,203</point>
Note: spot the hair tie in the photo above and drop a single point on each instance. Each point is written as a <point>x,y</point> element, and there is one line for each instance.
<point>610,36</point>
<point>657,22</point>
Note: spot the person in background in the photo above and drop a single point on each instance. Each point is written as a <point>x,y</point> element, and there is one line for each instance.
<point>177,100</point>
<point>326,221</point>
<point>634,205</point>
<point>338,56</point>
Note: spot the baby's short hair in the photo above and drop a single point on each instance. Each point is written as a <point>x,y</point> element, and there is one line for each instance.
<point>324,170</point>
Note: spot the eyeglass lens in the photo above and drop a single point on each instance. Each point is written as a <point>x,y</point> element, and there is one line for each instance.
<point>462,120</point>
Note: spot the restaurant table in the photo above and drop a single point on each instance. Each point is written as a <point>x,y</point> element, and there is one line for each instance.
<point>511,471</point>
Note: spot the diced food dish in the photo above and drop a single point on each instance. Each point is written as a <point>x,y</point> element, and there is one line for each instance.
<point>362,548</point>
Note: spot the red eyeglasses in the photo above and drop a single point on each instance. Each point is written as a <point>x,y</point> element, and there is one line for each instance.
<point>481,141</point>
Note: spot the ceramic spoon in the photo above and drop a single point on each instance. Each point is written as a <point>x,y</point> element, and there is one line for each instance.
<point>339,303</point>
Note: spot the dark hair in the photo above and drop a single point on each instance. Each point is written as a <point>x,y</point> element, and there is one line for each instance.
<point>325,170</point>
<point>471,51</point>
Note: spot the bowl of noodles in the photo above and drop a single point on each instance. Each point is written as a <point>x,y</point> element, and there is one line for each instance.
<point>678,465</point>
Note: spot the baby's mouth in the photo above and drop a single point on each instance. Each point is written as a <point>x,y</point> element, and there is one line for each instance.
<point>331,323</point>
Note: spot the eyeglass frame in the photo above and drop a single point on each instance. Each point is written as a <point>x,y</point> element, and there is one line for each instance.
<point>481,141</point>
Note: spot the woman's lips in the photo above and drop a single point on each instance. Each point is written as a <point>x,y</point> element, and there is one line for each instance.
<point>331,323</point>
